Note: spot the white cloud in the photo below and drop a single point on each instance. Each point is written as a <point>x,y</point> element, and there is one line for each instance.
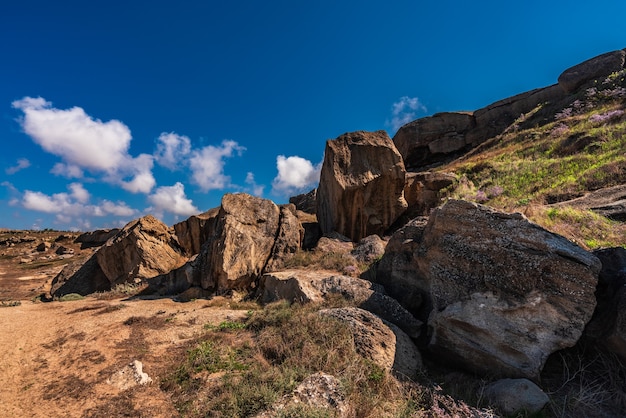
<point>404,111</point>
<point>207,165</point>
<point>257,189</point>
<point>73,207</point>
<point>85,143</point>
<point>172,199</point>
<point>22,163</point>
<point>171,150</point>
<point>67,170</point>
<point>295,174</point>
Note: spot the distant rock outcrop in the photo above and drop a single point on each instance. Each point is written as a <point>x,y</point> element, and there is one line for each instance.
<point>96,238</point>
<point>361,189</point>
<point>306,202</point>
<point>602,65</point>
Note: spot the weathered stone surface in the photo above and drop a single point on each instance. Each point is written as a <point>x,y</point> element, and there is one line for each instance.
<point>361,189</point>
<point>245,234</point>
<point>306,202</point>
<point>369,249</point>
<point>306,286</point>
<point>433,139</point>
<point>378,341</point>
<point>196,230</point>
<point>505,292</point>
<point>422,191</point>
<point>43,246</point>
<point>398,271</point>
<point>288,239</point>
<point>62,250</point>
<point>607,328</point>
<point>82,278</point>
<point>176,281</point>
<point>96,238</point>
<point>516,395</point>
<point>573,78</point>
<point>143,249</point>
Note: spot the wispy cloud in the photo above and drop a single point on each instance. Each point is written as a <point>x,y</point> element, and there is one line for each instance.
<point>295,174</point>
<point>256,189</point>
<point>85,143</point>
<point>404,111</point>
<point>207,165</point>
<point>171,199</point>
<point>73,206</point>
<point>22,163</point>
<point>171,150</point>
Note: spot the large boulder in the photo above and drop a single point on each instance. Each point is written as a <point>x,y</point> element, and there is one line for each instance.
<point>196,230</point>
<point>81,277</point>
<point>422,191</point>
<point>515,396</point>
<point>306,202</point>
<point>397,269</point>
<point>573,78</point>
<point>143,249</point>
<point>505,292</point>
<point>607,328</point>
<point>304,286</point>
<point>288,240</point>
<point>361,190</point>
<point>433,139</point>
<point>379,341</point>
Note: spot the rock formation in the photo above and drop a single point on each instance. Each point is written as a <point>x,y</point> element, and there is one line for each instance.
<point>361,189</point>
<point>513,396</point>
<point>196,230</point>
<point>96,238</point>
<point>143,249</point>
<point>306,202</point>
<point>422,192</point>
<point>383,343</point>
<point>80,277</point>
<point>505,292</point>
<point>305,286</point>
<point>573,78</point>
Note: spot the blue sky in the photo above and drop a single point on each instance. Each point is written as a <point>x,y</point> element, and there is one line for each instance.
<point>113,110</point>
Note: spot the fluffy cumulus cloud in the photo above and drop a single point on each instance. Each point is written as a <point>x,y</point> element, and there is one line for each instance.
<point>404,111</point>
<point>85,143</point>
<point>295,174</point>
<point>207,165</point>
<point>172,199</point>
<point>73,206</point>
<point>171,150</point>
<point>22,163</point>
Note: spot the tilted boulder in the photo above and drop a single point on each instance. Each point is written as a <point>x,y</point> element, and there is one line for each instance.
<point>306,202</point>
<point>379,341</point>
<point>143,249</point>
<point>505,292</point>
<point>573,78</point>
<point>361,190</point>
<point>288,239</point>
<point>607,328</point>
<point>196,230</point>
<point>422,191</point>
<point>81,277</point>
<point>304,286</point>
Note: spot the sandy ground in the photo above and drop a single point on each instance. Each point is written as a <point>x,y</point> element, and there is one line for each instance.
<point>56,357</point>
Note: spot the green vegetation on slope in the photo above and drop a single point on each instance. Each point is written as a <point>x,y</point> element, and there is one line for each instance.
<point>555,154</point>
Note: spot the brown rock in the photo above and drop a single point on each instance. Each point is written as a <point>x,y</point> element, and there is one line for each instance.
<point>573,78</point>
<point>369,249</point>
<point>304,286</point>
<point>96,238</point>
<point>505,292</point>
<point>382,343</point>
<point>245,234</point>
<point>43,246</point>
<point>143,249</point>
<point>196,230</point>
<point>83,278</point>
<point>288,240</point>
<point>433,139</point>
<point>361,185</point>
<point>306,202</point>
<point>423,191</point>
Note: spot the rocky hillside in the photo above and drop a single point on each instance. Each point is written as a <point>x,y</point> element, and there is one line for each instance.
<point>483,248</point>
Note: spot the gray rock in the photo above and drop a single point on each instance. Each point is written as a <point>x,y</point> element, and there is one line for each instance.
<point>516,395</point>
<point>602,65</point>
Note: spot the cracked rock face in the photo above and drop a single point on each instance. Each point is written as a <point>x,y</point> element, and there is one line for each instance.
<point>505,292</point>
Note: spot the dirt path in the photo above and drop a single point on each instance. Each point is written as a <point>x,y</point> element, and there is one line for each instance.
<point>56,357</point>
